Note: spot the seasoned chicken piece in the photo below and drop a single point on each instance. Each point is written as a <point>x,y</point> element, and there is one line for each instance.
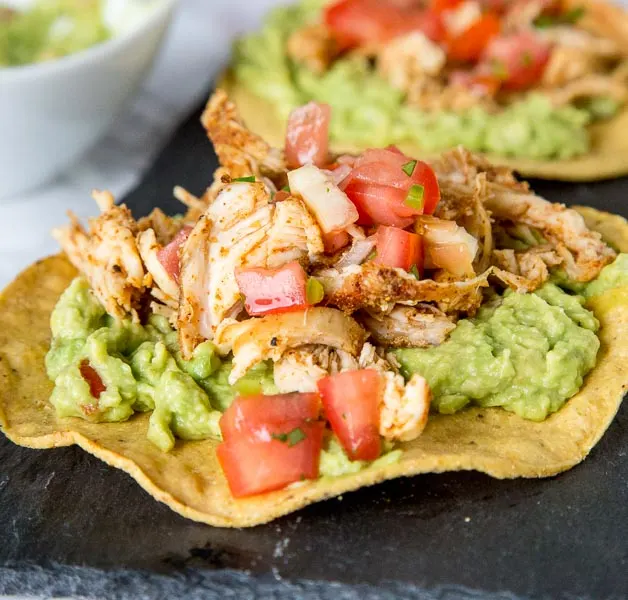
<point>167,289</point>
<point>525,271</point>
<point>314,46</point>
<point>194,321</point>
<point>406,58</point>
<point>405,407</point>
<point>164,227</point>
<point>107,256</point>
<point>563,36</point>
<point>241,228</point>
<point>241,152</point>
<point>258,339</point>
<point>603,19</point>
<point>294,234</point>
<point>409,326</point>
<point>378,288</point>
<point>582,251</point>
<point>299,369</point>
<point>591,86</point>
<point>457,171</point>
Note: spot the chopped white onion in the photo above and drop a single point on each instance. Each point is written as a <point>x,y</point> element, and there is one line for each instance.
<point>330,205</point>
<point>357,253</point>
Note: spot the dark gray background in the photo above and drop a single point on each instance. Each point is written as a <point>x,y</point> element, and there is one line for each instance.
<point>69,525</point>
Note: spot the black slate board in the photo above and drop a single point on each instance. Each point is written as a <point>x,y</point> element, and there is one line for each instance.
<point>69,525</point>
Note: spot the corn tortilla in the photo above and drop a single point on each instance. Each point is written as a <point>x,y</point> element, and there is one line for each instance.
<point>607,158</point>
<point>189,480</point>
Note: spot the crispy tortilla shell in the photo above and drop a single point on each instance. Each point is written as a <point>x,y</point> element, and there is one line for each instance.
<point>189,480</point>
<point>608,156</point>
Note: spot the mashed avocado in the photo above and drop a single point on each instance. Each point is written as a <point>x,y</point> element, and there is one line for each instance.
<point>141,369</point>
<point>334,461</point>
<point>50,29</point>
<point>528,354</point>
<point>369,112</point>
<point>612,276</point>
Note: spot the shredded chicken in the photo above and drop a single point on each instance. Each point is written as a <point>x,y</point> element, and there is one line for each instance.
<point>107,256</point>
<point>166,290</point>
<point>314,46</point>
<point>298,369</point>
<point>241,228</point>
<point>240,151</point>
<point>409,326</point>
<point>527,270</point>
<point>164,227</point>
<point>258,339</point>
<point>378,288</point>
<point>582,252</point>
<point>588,87</point>
<point>405,407</point>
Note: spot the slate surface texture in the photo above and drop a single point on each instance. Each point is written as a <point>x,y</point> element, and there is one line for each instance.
<point>71,526</point>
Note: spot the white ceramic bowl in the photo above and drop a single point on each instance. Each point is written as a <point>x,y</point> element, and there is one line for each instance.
<point>52,112</point>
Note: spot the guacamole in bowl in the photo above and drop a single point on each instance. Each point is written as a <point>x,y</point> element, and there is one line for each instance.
<point>50,29</point>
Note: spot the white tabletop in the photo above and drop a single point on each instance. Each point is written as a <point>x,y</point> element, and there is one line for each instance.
<point>197,47</point>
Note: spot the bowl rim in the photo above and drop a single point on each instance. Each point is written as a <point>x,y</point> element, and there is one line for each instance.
<point>93,53</point>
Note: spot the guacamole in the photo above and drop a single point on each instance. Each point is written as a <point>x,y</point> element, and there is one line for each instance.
<point>528,354</point>
<point>140,367</point>
<point>369,112</point>
<point>50,29</point>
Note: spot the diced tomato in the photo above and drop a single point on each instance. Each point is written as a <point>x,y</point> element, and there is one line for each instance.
<point>269,291</point>
<point>367,22</point>
<point>351,400</point>
<point>398,248</point>
<point>380,183</point>
<point>168,256</point>
<point>307,135</point>
<point>334,241</point>
<point>373,203</point>
<point>469,45</point>
<point>479,84</point>
<point>440,6</point>
<point>255,467</point>
<point>281,195</point>
<point>518,59</point>
<point>89,374</point>
<point>427,22</point>
<point>258,417</point>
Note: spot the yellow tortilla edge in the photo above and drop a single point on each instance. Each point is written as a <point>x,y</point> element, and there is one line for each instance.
<point>607,158</point>
<point>189,479</point>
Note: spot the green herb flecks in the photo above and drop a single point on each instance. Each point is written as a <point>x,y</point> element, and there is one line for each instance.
<point>292,438</point>
<point>415,271</point>
<point>409,167</point>
<point>498,68</point>
<point>249,179</point>
<point>314,291</point>
<point>569,18</point>
<point>372,255</point>
<point>414,199</point>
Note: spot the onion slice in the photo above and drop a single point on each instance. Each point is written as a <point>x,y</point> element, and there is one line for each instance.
<point>330,205</point>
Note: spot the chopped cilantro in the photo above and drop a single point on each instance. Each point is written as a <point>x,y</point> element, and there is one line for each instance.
<point>285,188</point>
<point>292,438</point>
<point>295,436</point>
<point>372,255</point>
<point>415,271</point>
<point>574,15</point>
<point>570,17</point>
<point>249,179</point>
<point>414,199</point>
<point>408,168</point>
<point>499,69</point>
